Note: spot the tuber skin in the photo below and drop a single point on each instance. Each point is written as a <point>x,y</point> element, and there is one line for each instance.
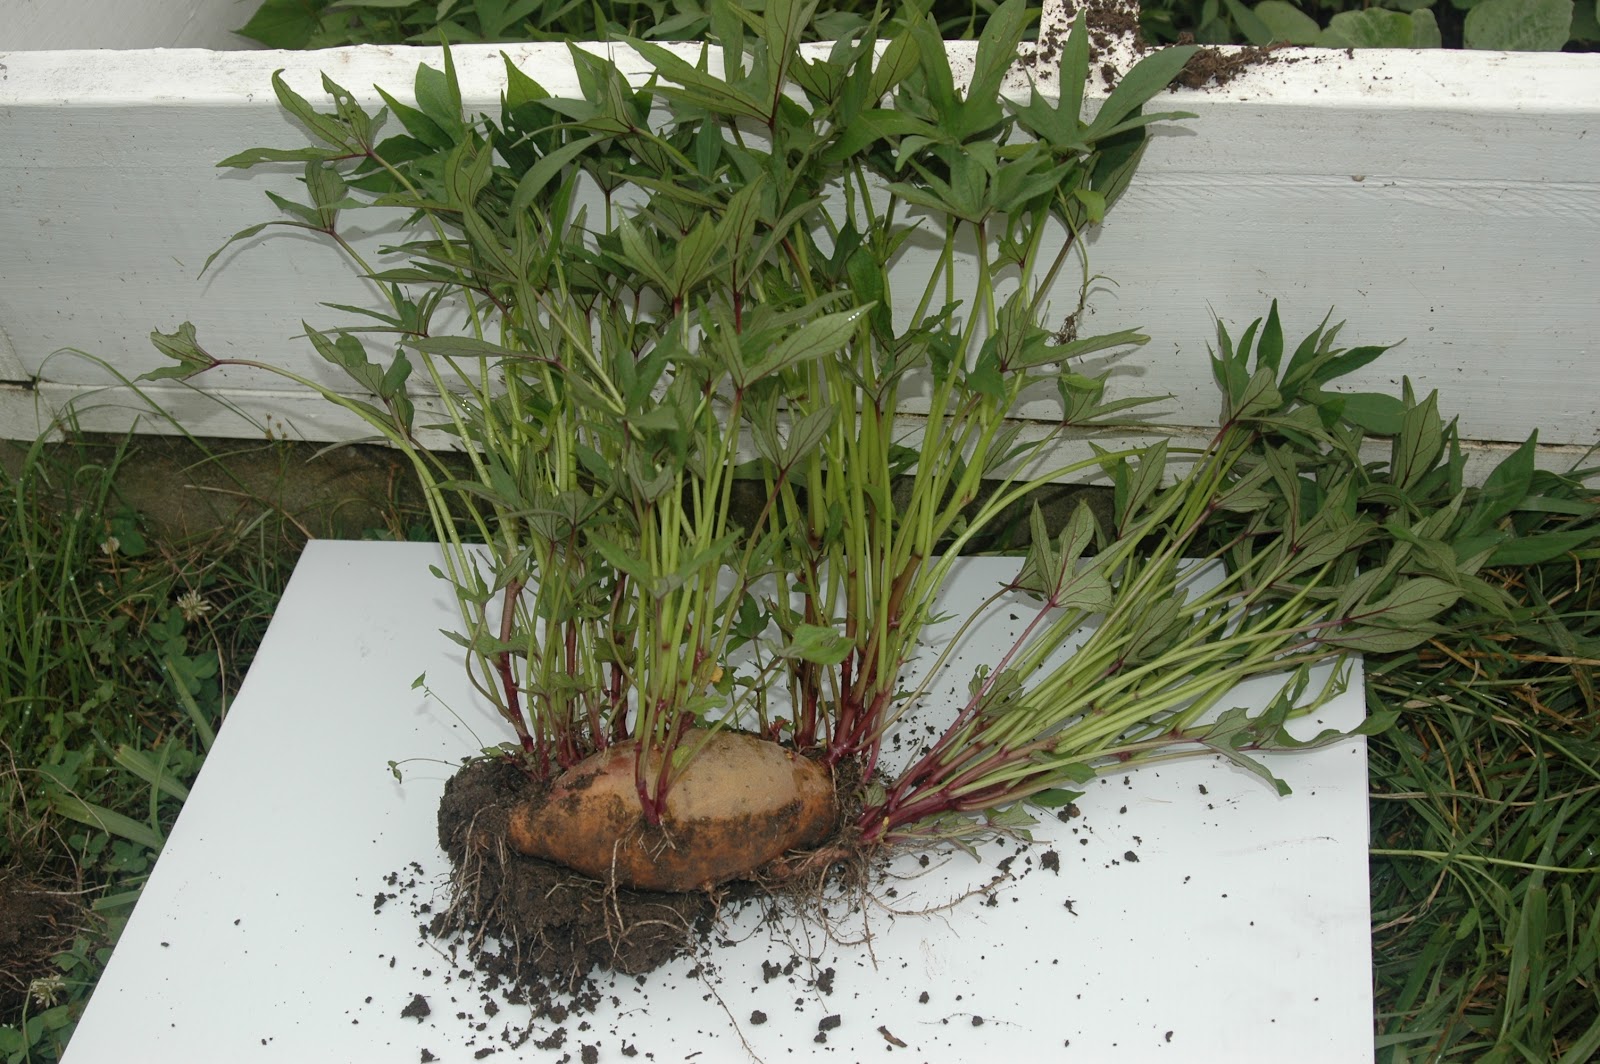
<point>741,802</point>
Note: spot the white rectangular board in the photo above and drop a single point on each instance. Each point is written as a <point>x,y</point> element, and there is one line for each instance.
<point>1195,915</point>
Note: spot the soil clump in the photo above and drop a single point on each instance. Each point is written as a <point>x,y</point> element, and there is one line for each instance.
<point>544,929</point>
<point>1216,66</point>
<point>552,925</point>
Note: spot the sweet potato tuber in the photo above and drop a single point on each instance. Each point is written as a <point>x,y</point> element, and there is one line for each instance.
<point>740,803</point>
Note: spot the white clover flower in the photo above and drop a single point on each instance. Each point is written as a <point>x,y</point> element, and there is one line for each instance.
<point>46,990</point>
<point>193,606</point>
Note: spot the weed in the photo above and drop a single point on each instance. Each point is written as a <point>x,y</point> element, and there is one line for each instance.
<point>1486,820</point>
<point>121,639</point>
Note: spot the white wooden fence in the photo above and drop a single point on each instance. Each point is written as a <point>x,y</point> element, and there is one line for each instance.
<point>1447,199</point>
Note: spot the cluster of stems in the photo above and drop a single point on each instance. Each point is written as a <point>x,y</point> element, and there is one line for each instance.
<point>748,306</point>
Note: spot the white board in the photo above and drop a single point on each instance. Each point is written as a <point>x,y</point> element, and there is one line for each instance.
<point>41,25</point>
<point>1209,919</point>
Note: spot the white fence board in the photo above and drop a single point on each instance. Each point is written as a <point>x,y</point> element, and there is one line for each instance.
<point>36,25</point>
<point>1448,199</point>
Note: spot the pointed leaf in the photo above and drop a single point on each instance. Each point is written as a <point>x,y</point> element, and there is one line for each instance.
<point>817,339</point>
<point>1149,76</point>
<point>817,644</point>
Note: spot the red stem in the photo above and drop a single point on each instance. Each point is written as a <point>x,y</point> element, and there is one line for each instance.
<point>508,683</point>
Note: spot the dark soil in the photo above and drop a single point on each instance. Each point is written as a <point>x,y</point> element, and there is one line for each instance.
<point>37,921</point>
<point>1112,22</point>
<point>1213,66</point>
<point>558,925</point>
<point>1109,22</point>
<point>539,931</point>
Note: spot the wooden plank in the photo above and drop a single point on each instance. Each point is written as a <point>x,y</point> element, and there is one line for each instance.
<point>11,371</point>
<point>1440,198</point>
<point>37,25</point>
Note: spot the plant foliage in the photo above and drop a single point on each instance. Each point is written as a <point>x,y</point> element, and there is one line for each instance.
<point>668,283</point>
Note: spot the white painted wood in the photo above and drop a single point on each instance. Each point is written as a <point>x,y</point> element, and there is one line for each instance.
<point>10,366</point>
<point>37,25</point>
<point>1239,934</point>
<point>1446,199</point>
<point>25,408</point>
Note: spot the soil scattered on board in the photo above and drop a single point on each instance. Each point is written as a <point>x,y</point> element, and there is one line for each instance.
<point>541,948</point>
<point>536,935</point>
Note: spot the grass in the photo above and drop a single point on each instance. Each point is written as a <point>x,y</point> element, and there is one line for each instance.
<point>1486,834</point>
<point>1485,798</point>
<point>121,642</point>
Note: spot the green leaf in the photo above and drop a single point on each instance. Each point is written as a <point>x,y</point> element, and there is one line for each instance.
<point>439,95</point>
<point>696,86</point>
<point>623,560</point>
<point>328,128</point>
<point>283,24</point>
<point>327,190</point>
<point>871,126</point>
<point>1230,728</point>
<point>1094,204</point>
<point>817,339</point>
<point>520,88</point>
<point>152,771</point>
<point>693,256</point>
<point>1087,345</point>
<point>254,156</point>
<point>1060,125</point>
<point>1012,818</point>
<point>1287,22</point>
<point>1419,444</point>
<point>1149,76</point>
<point>1269,349</point>
<point>1115,163</point>
<point>107,820</point>
<point>1425,30</point>
<point>1259,395</point>
<point>468,347</point>
<point>1533,550</point>
<point>997,50</point>
<point>1074,79</point>
<point>1341,364</point>
<point>1412,603</point>
<point>1519,25</point>
<point>1586,28</point>
<point>818,644</point>
<point>1254,29</point>
<point>1376,724</point>
<point>809,430</point>
<point>422,128</point>
<point>1503,489</point>
<point>1056,798</point>
<point>1052,570</point>
<point>899,61</point>
<point>1377,27</point>
<point>1376,412</point>
<point>184,349</point>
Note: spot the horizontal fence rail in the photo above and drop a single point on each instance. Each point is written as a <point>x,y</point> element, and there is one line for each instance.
<point>1449,200</point>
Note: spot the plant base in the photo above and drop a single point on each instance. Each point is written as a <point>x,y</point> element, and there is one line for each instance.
<point>558,923</point>
<point>741,803</point>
